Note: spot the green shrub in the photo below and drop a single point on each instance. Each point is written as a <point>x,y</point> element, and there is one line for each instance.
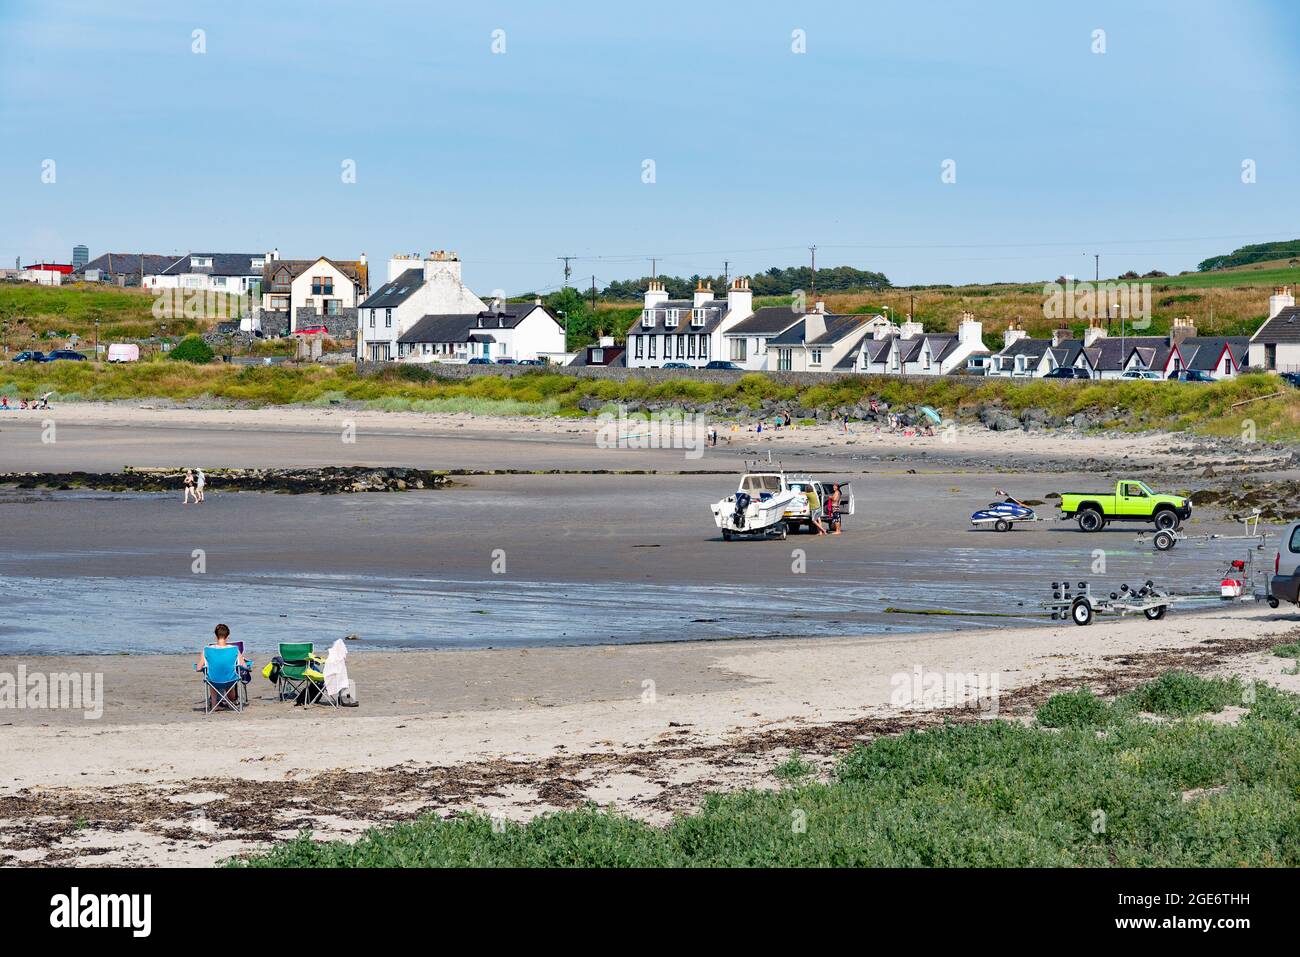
<point>1074,709</point>
<point>192,349</point>
<point>1181,694</point>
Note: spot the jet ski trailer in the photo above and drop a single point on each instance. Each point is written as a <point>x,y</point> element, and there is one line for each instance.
<point>1005,514</point>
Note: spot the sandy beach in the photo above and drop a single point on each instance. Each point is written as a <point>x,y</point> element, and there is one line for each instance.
<point>625,656</point>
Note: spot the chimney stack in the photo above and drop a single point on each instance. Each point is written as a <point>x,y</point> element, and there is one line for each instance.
<point>1281,299</point>
<point>970,330</point>
<point>1181,329</point>
<point>655,294</point>
<point>703,293</point>
<point>814,325</point>
<point>740,301</point>
<point>1013,334</point>
<point>1060,335</point>
<point>1094,333</point>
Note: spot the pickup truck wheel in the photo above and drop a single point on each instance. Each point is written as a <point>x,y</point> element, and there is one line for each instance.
<point>1081,611</point>
<point>1091,520</point>
<point>1166,519</point>
<point>1002,525</point>
<point>1273,602</point>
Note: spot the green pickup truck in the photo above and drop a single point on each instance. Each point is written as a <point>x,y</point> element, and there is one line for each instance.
<point>1131,502</point>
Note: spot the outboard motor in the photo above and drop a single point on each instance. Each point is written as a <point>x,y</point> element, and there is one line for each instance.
<point>742,503</point>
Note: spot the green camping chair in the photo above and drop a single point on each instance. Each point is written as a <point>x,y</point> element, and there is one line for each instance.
<point>299,672</point>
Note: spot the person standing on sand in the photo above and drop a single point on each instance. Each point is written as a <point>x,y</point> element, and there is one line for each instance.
<point>200,480</point>
<point>833,509</point>
<point>189,488</point>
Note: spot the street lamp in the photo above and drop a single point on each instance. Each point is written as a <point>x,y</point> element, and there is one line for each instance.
<point>96,340</point>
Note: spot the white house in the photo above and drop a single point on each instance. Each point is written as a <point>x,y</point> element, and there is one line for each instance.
<point>425,313</point>
<point>912,351</point>
<point>1276,344</point>
<point>312,292</point>
<point>231,273</point>
<point>746,342</point>
<point>819,342</point>
<point>687,331</point>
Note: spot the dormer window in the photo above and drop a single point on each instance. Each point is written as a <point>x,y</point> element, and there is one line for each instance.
<point>256,263</point>
<point>649,318</point>
<point>200,262</point>
<point>697,317</point>
<point>671,320</point>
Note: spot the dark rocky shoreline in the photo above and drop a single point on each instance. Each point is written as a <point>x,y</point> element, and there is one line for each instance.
<point>328,480</point>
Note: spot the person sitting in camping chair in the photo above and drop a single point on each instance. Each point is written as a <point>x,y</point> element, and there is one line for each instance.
<point>222,665</point>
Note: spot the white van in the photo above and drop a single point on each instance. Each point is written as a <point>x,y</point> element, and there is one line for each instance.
<point>1284,586</point>
<point>123,352</point>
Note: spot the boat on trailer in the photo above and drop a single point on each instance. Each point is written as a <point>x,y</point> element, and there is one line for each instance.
<point>760,506</point>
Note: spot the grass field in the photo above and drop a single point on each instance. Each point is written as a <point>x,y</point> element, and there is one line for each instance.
<point>1092,783</point>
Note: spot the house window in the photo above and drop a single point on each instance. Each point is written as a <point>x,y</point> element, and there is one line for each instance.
<point>690,346</point>
<point>927,358</point>
<point>372,318</point>
<point>738,350</point>
<point>648,319</point>
<point>697,317</point>
<point>322,286</point>
<point>681,347</point>
<point>783,360</point>
<point>815,357</point>
<point>704,347</point>
<point>671,320</point>
<point>388,318</point>
<point>597,356</point>
<point>651,353</point>
<point>639,347</point>
<point>668,346</point>
<point>332,306</point>
<point>200,262</point>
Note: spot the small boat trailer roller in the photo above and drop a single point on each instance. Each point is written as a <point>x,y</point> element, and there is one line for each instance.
<point>1080,605</point>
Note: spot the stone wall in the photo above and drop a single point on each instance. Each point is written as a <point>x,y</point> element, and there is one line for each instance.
<point>343,325</point>
<point>274,322</point>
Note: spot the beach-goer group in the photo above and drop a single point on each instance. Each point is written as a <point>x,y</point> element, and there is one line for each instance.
<point>42,402</point>
<point>195,481</point>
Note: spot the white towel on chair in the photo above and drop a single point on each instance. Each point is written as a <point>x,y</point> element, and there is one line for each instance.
<point>336,669</point>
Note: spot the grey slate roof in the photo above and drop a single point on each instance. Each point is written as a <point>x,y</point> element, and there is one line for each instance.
<point>355,270</point>
<point>223,264</point>
<point>393,294</point>
<point>769,320</point>
<point>128,264</point>
<point>714,311</point>
<point>1284,327</point>
<point>470,327</point>
<point>837,328</point>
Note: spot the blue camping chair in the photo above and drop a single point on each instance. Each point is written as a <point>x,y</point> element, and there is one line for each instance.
<point>221,675</point>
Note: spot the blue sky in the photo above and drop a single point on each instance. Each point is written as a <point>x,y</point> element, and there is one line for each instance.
<point>514,159</point>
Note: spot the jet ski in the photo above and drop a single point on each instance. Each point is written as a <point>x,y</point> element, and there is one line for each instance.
<point>1003,515</point>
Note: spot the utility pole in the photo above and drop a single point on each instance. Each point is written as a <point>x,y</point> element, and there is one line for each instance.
<point>593,293</point>
<point>567,270</point>
<point>726,274</point>
<point>654,268</point>
<point>813,249</point>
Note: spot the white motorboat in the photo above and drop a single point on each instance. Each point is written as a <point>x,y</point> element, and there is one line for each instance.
<point>760,506</point>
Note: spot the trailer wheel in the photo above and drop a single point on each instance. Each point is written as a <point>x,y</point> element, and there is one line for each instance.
<point>1002,525</point>
<point>781,531</point>
<point>1155,614</point>
<point>1273,602</point>
<point>1164,540</point>
<point>1166,518</point>
<point>1081,611</point>
<point>1091,520</point>
<point>726,534</point>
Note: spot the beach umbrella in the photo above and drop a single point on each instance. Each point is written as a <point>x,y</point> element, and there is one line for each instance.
<point>932,415</point>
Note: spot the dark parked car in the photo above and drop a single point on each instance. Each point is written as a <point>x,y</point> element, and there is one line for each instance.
<point>480,361</point>
<point>722,364</point>
<point>531,362</point>
<point>1067,372</point>
<point>1290,378</point>
<point>675,365</point>
<point>64,354</point>
<point>1192,375</point>
<point>30,356</point>
<point>503,361</point>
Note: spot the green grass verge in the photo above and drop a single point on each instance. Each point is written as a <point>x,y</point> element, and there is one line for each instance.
<point>1138,793</point>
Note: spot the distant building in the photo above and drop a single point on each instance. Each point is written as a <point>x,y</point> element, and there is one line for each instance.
<point>231,273</point>
<point>425,313</point>
<point>46,274</point>
<point>686,331</point>
<point>312,292</point>
<point>604,353</point>
<point>1276,344</point>
<point>911,351</point>
<point>80,256</point>
<point>745,343</point>
<point>819,342</point>
<point>127,269</point>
